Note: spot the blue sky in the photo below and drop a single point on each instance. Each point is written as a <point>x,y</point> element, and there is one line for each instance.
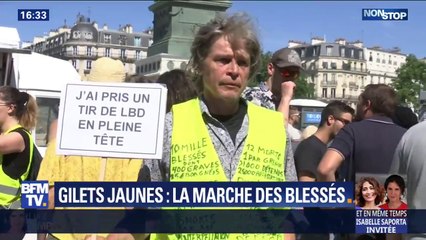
<point>278,21</point>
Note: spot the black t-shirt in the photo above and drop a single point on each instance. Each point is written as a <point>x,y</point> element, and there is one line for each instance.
<point>234,122</point>
<point>16,164</point>
<point>308,156</point>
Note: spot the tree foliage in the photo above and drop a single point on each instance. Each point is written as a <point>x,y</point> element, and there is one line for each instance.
<point>303,89</point>
<point>262,74</point>
<point>410,81</point>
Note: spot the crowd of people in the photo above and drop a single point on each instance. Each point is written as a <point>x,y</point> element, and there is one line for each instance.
<point>220,110</point>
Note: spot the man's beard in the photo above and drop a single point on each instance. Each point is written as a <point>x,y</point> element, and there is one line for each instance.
<point>359,115</point>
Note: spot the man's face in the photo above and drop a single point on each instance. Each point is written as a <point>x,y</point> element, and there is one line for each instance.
<point>280,75</point>
<point>340,121</point>
<point>295,117</point>
<point>225,70</point>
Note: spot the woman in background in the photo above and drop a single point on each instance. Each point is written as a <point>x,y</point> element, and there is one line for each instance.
<point>18,114</point>
<point>395,188</point>
<point>369,194</point>
<point>179,87</point>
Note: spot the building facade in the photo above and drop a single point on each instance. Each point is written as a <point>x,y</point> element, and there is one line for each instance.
<point>337,69</point>
<point>85,42</point>
<point>159,64</point>
<point>340,70</point>
<point>383,63</point>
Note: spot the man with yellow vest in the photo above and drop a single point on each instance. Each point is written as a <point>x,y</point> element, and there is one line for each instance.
<point>220,136</point>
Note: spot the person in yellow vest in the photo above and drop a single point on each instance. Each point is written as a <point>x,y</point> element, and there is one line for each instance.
<point>83,168</point>
<point>220,136</point>
<point>18,114</point>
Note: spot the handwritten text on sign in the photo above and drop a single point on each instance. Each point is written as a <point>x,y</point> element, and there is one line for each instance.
<point>112,120</point>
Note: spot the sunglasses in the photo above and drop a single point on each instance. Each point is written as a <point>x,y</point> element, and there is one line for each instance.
<point>286,73</point>
<point>344,121</point>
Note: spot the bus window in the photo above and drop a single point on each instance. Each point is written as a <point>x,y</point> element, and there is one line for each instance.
<point>48,111</point>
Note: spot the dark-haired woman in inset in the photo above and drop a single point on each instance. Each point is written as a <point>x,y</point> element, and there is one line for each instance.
<point>18,112</point>
<point>395,188</point>
<point>369,193</point>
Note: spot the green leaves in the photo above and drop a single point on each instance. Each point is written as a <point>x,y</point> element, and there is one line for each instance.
<point>262,74</point>
<point>304,89</point>
<point>410,81</point>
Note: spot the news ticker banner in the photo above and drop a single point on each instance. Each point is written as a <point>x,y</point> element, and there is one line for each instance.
<point>205,221</point>
<point>188,221</point>
<point>224,195</point>
<point>203,194</point>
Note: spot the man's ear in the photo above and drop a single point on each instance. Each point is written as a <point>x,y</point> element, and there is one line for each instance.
<point>271,69</point>
<point>368,104</point>
<point>329,119</point>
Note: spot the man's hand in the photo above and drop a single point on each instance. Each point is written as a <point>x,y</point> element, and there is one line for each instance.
<point>328,165</point>
<point>287,90</point>
<point>51,196</point>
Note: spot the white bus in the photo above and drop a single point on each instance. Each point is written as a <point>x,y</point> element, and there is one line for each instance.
<point>41,76</point>
<point>310,111</point>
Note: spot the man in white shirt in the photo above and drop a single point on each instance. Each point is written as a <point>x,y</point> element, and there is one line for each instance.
<point>294,134</point>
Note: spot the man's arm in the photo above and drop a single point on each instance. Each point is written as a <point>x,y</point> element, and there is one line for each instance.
<point>398,165</point>
<point>341,148</point>
<point>287,90</point>
<point>306,177</point>
<point>290,168</point>
<point>328,165</point>
<point>290,174</point>
<point>52,130</point>
<point>158,170</point>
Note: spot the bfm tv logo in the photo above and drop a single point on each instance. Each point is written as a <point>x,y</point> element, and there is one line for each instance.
<point>34,194</point>
<point>385,14</point>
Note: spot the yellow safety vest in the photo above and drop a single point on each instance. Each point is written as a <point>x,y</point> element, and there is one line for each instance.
<point>9,187</point>
<point>194,158</point>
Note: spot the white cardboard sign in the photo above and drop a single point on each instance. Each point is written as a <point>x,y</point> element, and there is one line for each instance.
<point>123,120</point>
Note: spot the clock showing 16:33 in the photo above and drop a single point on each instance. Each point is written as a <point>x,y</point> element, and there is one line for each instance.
<point>33,14</point>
